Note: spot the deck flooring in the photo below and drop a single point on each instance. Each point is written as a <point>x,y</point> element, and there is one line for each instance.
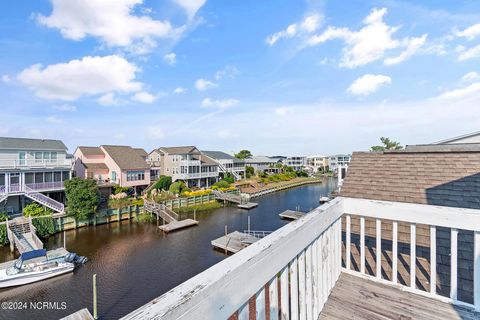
<point>291,214</point>
<point>361,299</point>
<point>177,225</point>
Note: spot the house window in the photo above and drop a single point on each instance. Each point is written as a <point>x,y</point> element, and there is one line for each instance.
<point>114,175</point>
<point>135,175</point>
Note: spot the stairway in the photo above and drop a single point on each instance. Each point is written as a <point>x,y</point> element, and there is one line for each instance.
<point>24,235</point>
<point>44,200</point>
<point>3,197</point>
<point>225,171</point>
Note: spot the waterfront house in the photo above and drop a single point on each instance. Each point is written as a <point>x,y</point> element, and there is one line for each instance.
<point>401,241</point>
<point>297,163</point>
<point>227,164</point>
<point>317,163</point>
<point>338,161</point>
<point>262,163</point>
<point>33,170</point>
<point>113,165</point>
<point>186,164</point>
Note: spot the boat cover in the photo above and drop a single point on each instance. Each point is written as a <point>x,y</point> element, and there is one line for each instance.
<point>33,254</point>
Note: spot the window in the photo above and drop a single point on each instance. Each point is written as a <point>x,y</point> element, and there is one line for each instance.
<point>135,175</point>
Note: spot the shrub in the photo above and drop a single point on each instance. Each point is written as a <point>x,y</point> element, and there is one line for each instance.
<point>82,196</point>
<point>163,183</point>
<point>229,178</point>
<point>36,210</point>
<point>3,230</point>
<point>249,171</point>
<point>45,225</point>
<point>221,184</point>
<point>117,189</point>
<point>177,187</point>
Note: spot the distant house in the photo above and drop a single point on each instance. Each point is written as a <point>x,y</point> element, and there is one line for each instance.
<point>339,160</point>
<point>227,164</point>
<point>185,163</point>
<point>473,137</point>
<point>261,163</point>
<point>32,170</point>
<point>297,163</point>
<point>121,165</point>
<point>317,163</point>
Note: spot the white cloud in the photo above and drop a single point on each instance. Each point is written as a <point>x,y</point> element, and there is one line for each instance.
<point>88,76</point>
<point>220,104</point>
<point>412,44</point>
<point>368,84</point>
<point>283,111</point>
<point>113,22</point>
<point>65,108</point>
<point>179,90</point>
<point>470,53</point>
<point>170,58</point>
<point>53,120</point>
<point>144,97</point>
<point>471,76</point>
<point>109,99</point>
<point>191,6</point>
<point>229,71</point>
<point>204,84</point>
<point>470,91</point>
<point>370,43</point>
<point>154,132</point>
<point>226,134</point>
<point>6,78</point>
<point>308,25</point>
<point>470,33</point>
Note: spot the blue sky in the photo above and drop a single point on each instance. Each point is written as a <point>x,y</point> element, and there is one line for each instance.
<point>275,77</point>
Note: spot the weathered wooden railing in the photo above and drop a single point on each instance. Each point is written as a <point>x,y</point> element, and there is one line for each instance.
<point>429,218</point>
<point>300,262</point>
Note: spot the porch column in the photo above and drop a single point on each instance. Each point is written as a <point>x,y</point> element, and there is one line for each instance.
<point>7,182</point>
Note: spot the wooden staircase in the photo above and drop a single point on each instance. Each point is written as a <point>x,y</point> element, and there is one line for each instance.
<point>22,234</point>
<point>224,170</point>
<point>44,200</point>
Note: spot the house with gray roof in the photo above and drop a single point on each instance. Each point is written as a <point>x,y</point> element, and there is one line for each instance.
<point>262,163</point>
<point>32,170</point>
<point>113,165</point>
<point>227,164</point>
<point>186,163</point>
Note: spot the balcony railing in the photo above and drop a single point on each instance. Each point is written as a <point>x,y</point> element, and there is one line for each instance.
<point>197,175</point>
<point>302,261</point>
<point>43,186</point>
<point>190,163</point>
<point>32,163</point>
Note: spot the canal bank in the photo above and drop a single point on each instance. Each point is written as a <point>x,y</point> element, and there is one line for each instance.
<point>135,263</point>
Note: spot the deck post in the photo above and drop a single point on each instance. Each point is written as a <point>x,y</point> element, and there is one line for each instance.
<point>476,271</point>
<point>347,241</point>
<point>379,248</point>
<point>394,251</point>
<point>433,260</point>
<point>413,253</point>
<point>453,264</point>
<point>362,245</point>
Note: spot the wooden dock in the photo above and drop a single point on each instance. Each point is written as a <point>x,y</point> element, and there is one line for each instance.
<point>177,225</point>
<point>60,252</point>
<point>232,242</point>
<point>291,215</point>
<point>82,314</point>
<point>248,205</point>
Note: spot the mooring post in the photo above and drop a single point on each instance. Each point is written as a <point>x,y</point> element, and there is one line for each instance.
<point>248,224</point>
<point>226,238</point>
<point>95,316</point>
<point>194,214</point>
<point>64,239</point>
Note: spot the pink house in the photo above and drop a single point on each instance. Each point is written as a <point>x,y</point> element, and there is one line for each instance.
<point>113,165</point>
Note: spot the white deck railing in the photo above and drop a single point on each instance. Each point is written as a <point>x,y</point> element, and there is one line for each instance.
<point>41,186</point>
<point>302,261</point>
<point>32,163</point>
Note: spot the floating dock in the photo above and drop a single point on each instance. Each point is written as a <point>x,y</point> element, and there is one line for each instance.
<point>291,215</point>
<point>51,254</point>
<point>232,242</point>
<point>248,205</point>
<point>177,225</point>
<point>82,314</point>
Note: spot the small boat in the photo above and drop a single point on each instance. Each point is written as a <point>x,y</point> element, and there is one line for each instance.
<point>33,266</point>
<point>324,200</point>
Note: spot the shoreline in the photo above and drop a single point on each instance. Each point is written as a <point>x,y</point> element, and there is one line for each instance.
<point>280,188</point>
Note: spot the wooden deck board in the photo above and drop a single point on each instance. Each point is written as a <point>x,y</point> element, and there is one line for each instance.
<point>177,225</point>
<point>248,205</point>
<point>358,298</point>
<point>82,314</point>
<point>291,215</point>
<point>231,242</point>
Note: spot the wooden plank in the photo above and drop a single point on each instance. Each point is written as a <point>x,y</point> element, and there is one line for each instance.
<point>339,248</point>
<point>243,313</point>
<point>413,254</point>
<point>315,275</point>
<point>291,215</point>
<point>379,248</point>
<point>308,282</point>
<point>476,271</point>
<point>177,225</point>
<point>347,241</point>
<point>433,259</point>
<point>453,264</point>
<point>320,283</point>
<point>301,286</point>
<point>284,296</point>
<point>362,244</point>
<point>394,251</point>
<point>273,295</point>
<point>232,242</point>
<point>293,267</point>
<point>260,308</point>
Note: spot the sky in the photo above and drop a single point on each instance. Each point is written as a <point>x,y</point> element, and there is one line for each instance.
<point>289,77</point>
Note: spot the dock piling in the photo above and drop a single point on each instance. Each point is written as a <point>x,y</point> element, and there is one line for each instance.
<point>95,315</point>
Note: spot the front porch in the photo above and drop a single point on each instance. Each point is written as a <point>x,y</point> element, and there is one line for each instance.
<point>307,269</point>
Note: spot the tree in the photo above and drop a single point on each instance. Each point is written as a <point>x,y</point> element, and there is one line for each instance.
<point>243,154</point>
<point>249,171</point>
<point>387,144</point>
<point>163,183</point>
<point>178,187</point>
<point>83,197</point>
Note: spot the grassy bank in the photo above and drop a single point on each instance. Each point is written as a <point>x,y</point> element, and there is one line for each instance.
<point>199,207</point>
<point>254,186</point>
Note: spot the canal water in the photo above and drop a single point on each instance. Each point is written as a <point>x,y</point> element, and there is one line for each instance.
<point>136,263</point>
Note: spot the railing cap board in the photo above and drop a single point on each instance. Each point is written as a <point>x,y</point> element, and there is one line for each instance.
<point>215,293</point>
<point>448,217</point>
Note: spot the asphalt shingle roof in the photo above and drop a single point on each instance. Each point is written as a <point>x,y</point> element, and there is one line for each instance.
<point>180,150</point>
<point>31,144</point>
<point>127,158</point>
<point>91,151</point>
<point>218,155</point>
<point>436,178</point>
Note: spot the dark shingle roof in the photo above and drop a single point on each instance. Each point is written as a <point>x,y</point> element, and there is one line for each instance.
<point>141,152</point>
<point>126,157</point>
<point>436,178</point>
<point>31,144</point>
<point>205,160</point>
<point>91,151</point>
<point>222,155</point>
<point>95,166</point>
